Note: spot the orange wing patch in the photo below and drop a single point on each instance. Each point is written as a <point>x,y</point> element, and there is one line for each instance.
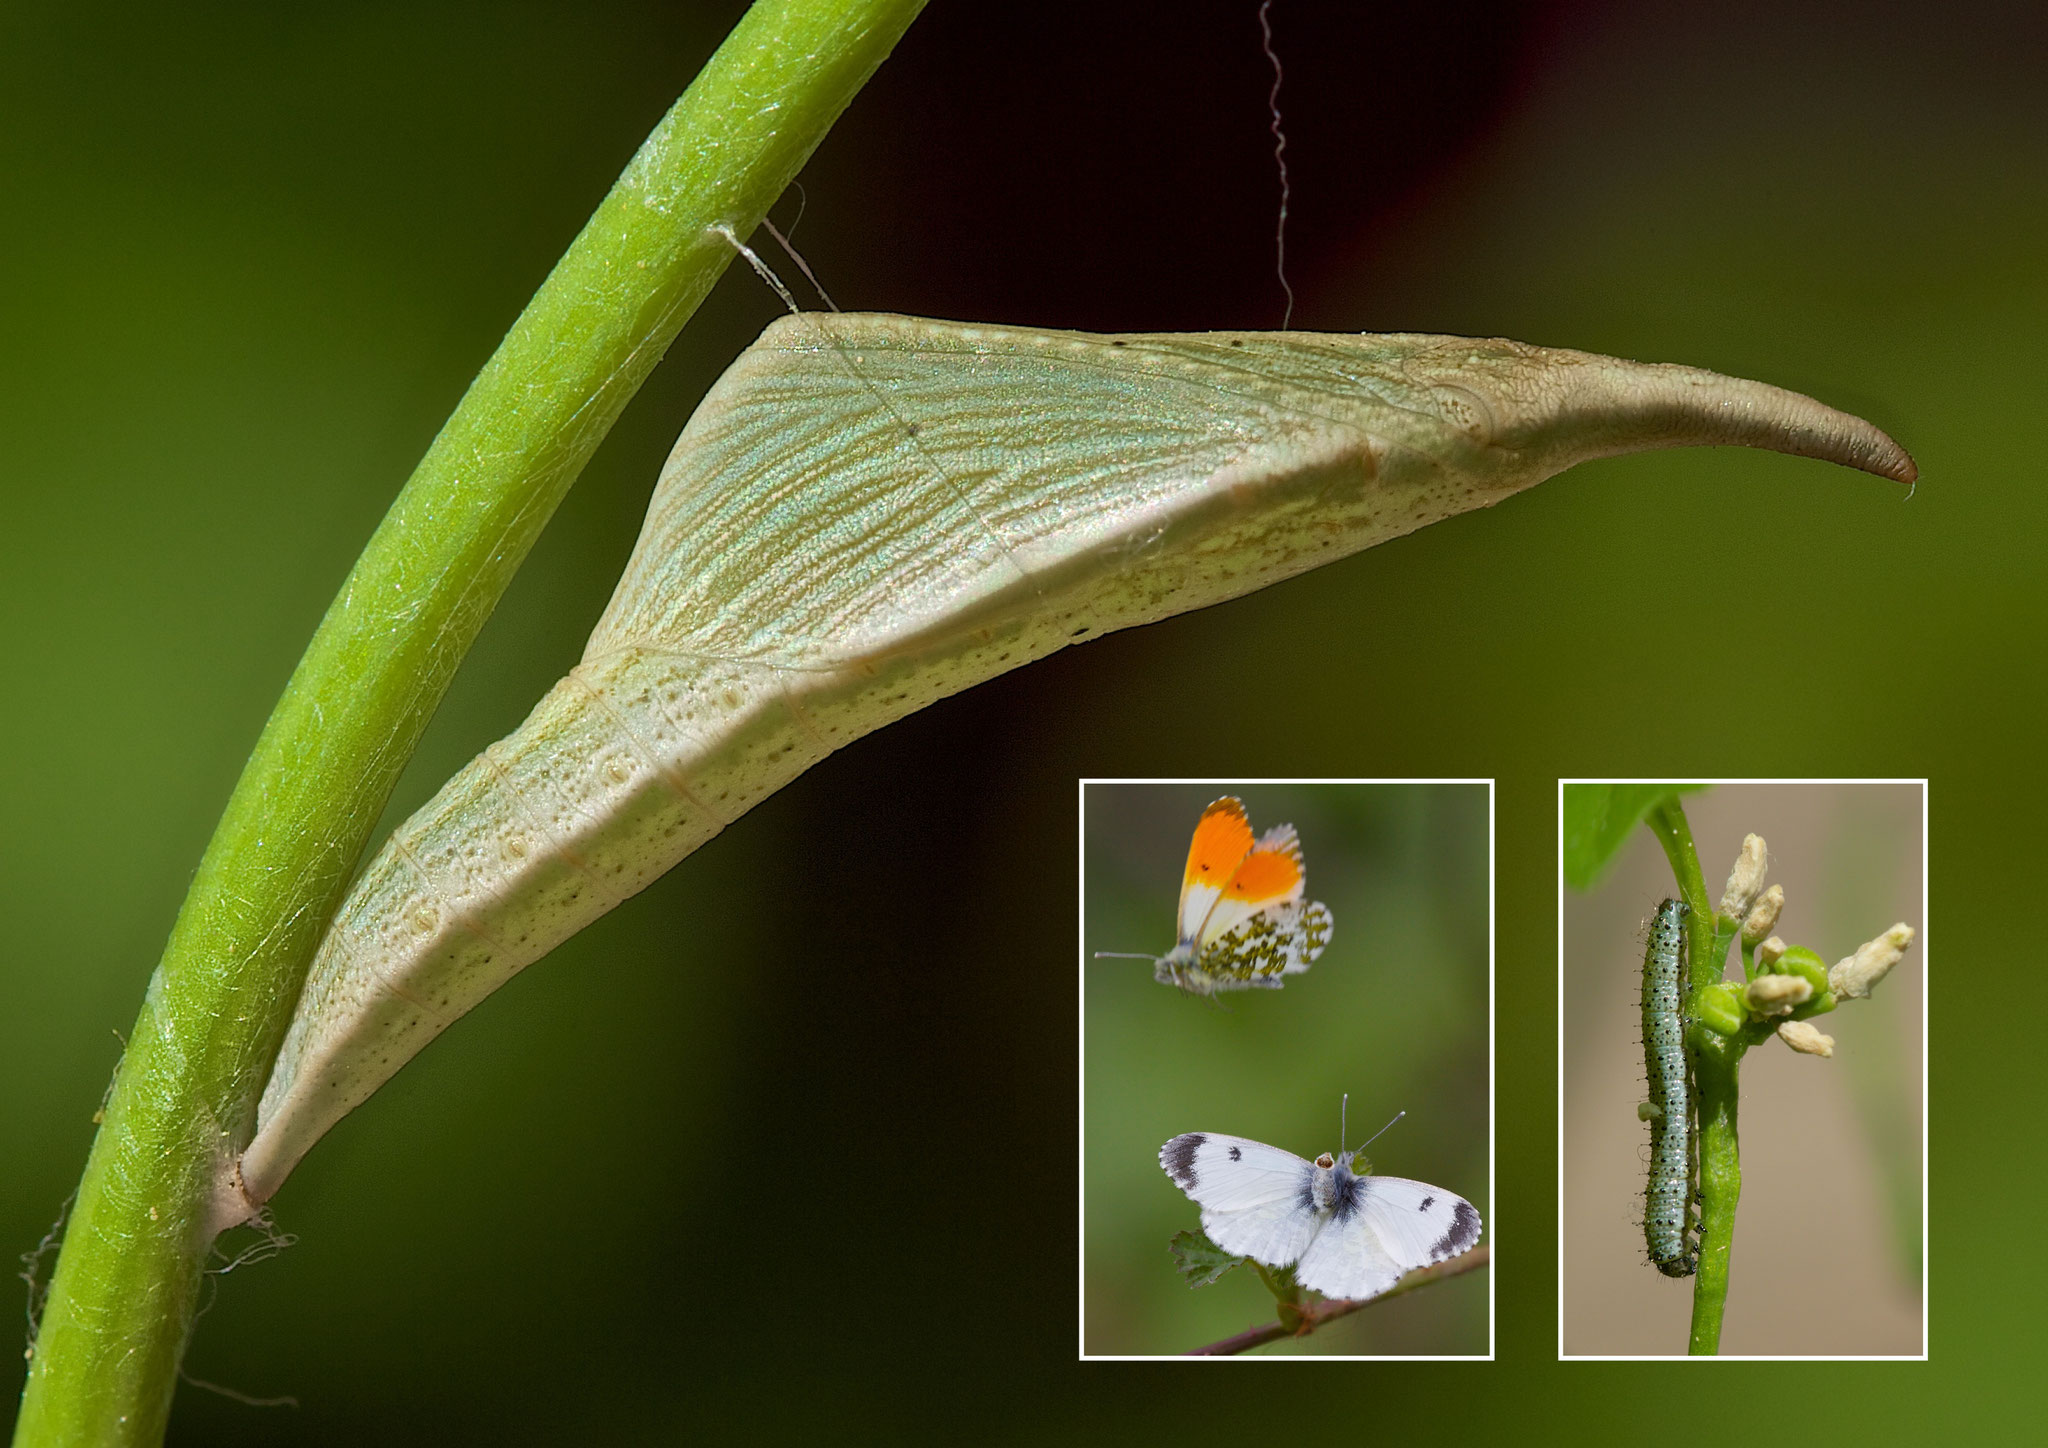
<point>1271,872</point>
<point>1242,919</point>
<point>1223,837</point>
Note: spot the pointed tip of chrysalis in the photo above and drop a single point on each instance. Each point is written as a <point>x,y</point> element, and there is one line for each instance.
<point>1872,450</point>
<point>1591,406</point>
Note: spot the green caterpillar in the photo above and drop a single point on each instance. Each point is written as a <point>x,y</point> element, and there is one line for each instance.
<point>1670,1226</point>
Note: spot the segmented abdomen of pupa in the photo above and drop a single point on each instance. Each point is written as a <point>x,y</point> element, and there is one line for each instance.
<point>627,766</point>
<point>534,839</point>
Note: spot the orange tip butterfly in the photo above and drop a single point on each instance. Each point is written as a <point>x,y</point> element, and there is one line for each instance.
<point>1242,921</point>
<point>1345,1231</point>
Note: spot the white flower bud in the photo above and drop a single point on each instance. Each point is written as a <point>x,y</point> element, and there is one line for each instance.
<point>1802,1037</point>
<point>1746,880</point>
<point>1852,979</point>
<point>1763,919</point>
<point>1776,995</point>
<point>1769,951</point>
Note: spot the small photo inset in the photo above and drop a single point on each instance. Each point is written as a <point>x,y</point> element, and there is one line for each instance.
<point>1286,995</point>
<point>1742,1080</point>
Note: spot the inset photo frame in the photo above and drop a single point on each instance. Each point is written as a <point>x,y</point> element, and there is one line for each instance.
<point>1286,1113</point>
<point>1742,1086</point>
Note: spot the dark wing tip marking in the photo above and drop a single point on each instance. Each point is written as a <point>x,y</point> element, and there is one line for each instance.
<point>1464,1231</point>
<point>1178,1157</point>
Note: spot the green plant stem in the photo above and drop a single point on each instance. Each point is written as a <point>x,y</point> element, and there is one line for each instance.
<point>1330,1309</point>
<point>1668,823</point>
<point>1715,1060</point>
<point>120,1307</point>
<point>1716,1078</point>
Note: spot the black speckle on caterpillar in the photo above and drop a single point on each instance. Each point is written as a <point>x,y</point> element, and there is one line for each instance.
<point>1669,1224</point>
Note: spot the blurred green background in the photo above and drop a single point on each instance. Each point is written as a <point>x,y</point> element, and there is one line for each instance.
<point>1395,1012</point>
<point>1827,1253</point>
<point>769,1151</point>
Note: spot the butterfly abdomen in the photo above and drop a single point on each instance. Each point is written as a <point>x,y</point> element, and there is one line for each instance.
<point>1331,1188</point>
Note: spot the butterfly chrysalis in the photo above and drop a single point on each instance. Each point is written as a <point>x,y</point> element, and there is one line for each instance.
<point>868,513</point>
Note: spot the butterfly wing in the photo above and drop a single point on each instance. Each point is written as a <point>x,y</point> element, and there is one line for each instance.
<point>1280,941</point>
<point>1267,875</point>
<point>1383,1228</point>
<point>1255,1198</point>
<point>1223,839</point>
<point>1259,927</point>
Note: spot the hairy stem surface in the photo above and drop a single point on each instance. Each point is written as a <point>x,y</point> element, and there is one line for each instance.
<point>1668,823</point>
<point>1717,1073</point>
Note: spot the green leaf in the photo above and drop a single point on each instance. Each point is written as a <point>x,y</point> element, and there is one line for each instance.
<point>1200,1260</point>
<point>1597,821</point>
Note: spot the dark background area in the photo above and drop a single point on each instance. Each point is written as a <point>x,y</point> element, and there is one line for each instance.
<point>766,1151</point>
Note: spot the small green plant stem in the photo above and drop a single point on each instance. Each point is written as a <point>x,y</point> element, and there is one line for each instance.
<point>1715,1071</point>
<point>114,1328</point>
<point>1330,1309</point>
<point>1715,1062</point>
<point>1667,822</point>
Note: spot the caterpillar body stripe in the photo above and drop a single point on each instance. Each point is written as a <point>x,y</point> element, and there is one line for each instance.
<point>1670,1228</point>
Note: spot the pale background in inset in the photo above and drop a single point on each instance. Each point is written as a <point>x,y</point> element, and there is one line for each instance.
<point>1826,1255</point>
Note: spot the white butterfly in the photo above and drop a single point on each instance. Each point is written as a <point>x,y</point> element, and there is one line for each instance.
<point>1347,1232</point>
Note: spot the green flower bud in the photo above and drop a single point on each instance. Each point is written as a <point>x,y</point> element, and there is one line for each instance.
<point>1720,1009</point>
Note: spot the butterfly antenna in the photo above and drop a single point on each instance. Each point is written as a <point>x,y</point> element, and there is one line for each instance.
<point>1343,1118</point>
<point>1123,955</point>
<point>1382,1131</point>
